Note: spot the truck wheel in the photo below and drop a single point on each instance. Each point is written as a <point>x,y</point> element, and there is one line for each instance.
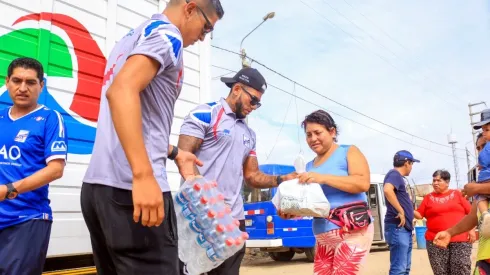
<point>282,256</point>
<point>310,254</point>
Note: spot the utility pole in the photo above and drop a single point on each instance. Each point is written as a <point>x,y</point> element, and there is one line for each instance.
<point>472,113</point>
<point>451,139</point>
<point>468,158</point>
<point>243,54</point>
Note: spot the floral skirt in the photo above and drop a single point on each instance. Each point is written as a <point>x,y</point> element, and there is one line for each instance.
<point>339,252</point>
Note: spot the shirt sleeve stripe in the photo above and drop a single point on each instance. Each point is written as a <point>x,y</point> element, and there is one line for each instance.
<point>61,132</point>
<point>53,157</point>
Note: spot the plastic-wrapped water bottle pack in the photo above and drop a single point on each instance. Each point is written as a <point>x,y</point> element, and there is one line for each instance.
<point>208,234</point>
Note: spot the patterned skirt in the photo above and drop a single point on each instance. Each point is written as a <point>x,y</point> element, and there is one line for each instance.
<point>339,252</point>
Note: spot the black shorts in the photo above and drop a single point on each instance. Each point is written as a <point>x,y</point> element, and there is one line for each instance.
<point>24,247</point>
<point>120,245</point>
<point>230,266</point>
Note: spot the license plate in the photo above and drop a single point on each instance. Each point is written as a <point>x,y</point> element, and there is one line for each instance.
<point>248,222</point>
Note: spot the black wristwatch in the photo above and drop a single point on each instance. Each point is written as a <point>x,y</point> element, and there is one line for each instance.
<point>174,153</point>
<point>11,192</point>
<point>279,180</point>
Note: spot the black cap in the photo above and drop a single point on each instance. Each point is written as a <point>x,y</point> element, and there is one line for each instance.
<point>247,76</point>
<point>484,119</point>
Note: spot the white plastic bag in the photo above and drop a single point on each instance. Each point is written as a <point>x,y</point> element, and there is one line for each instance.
<point>304,200</point>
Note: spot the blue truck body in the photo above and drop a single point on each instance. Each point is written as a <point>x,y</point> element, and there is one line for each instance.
<point>267,231</point>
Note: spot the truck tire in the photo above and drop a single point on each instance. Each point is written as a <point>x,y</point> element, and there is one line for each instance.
<point>310,254</point>
<point>282,256</point>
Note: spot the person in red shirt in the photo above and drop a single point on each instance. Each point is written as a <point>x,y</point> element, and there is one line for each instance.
<point>443,209</point>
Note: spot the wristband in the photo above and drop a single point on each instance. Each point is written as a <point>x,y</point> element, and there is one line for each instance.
<point>174,153</point>
<point>279,180</point>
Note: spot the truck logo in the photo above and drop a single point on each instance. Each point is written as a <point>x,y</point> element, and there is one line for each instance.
<point>80,66</point>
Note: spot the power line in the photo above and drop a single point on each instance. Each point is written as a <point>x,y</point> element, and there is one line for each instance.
<point>280,130</point>
<point>405,48</point>
<point>382,45</point>
<point>336,102</point>
<point>374,53</point>
<point>344,117</point>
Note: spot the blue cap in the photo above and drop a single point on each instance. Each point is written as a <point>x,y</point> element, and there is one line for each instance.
<point>405,155</point>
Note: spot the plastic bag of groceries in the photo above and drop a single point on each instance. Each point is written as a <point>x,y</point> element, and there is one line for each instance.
<point>304,200</point>
<point>208,235</point>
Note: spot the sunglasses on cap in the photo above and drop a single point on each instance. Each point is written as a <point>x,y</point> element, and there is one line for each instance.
<point>253,99</point>
<point>208,27</point>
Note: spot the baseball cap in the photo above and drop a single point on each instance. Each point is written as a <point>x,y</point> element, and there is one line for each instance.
<point>484,119</point>
<point>247,76</point>
<point>405,155</point>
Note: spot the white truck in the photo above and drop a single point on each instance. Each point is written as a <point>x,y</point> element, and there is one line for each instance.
<point>72,39</point>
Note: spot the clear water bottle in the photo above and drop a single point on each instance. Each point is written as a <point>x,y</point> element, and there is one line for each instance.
<point>300,164</point>
<point>224,250</point>
<point>204,222</point>
<point>203,262</point>
<point>215,235</point>
<point>197,208</point>
<point>187,194</point>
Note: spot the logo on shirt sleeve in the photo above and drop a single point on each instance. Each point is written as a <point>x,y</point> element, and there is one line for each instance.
<point>246,141</point>
<point>58,146</point>
<point>21,136</point>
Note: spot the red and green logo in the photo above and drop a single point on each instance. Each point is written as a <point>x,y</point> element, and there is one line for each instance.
<point>74,70</point>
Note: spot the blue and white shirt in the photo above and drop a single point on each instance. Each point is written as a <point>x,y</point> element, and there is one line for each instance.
<point>27,144</point>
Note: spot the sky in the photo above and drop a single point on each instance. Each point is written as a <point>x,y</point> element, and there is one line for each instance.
<point>414,65</point>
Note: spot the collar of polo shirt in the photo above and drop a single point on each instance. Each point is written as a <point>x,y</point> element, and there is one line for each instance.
<point>228,109</point>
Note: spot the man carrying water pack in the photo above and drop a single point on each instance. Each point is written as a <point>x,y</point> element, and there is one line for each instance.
<point>217,133</point>
<point>126,179</point>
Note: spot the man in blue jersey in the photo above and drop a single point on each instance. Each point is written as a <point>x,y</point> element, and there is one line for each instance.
<point>33,149</point>
<point>399,213</point>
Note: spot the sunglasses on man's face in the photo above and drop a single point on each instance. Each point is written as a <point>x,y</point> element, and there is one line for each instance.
<point>253,99</point>
<point>208,27</point>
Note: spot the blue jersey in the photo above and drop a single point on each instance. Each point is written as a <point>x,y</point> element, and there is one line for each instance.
<point>27,144</point>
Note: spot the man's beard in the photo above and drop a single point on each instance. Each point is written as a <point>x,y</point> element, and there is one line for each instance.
<point>239,110</point>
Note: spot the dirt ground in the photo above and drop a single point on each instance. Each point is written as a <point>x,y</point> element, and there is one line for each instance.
<point>378,263</point>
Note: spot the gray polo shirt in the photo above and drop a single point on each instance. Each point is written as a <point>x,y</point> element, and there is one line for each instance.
<point>156,38</point>
<point>227,143</point>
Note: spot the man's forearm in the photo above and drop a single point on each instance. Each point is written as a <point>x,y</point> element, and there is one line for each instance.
<point>465,224</point>
<point>483,189</point>
<point>129,128</point>
<point>391,197</point>
<point>190,144</point>
<point>48,174</point>
<point>261,180</point>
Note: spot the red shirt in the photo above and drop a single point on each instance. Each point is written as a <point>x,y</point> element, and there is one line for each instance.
<point>443,211</point>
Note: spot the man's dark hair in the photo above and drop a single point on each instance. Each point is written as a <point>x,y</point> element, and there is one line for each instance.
<point>444,174</point>
<point>214,6</point>
<point>397,163</point>
<point>210,7</point>
<point>26,63</point>
<point>323,118</point>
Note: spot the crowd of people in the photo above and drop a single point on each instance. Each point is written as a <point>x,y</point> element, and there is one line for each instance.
<point>126,200</point>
